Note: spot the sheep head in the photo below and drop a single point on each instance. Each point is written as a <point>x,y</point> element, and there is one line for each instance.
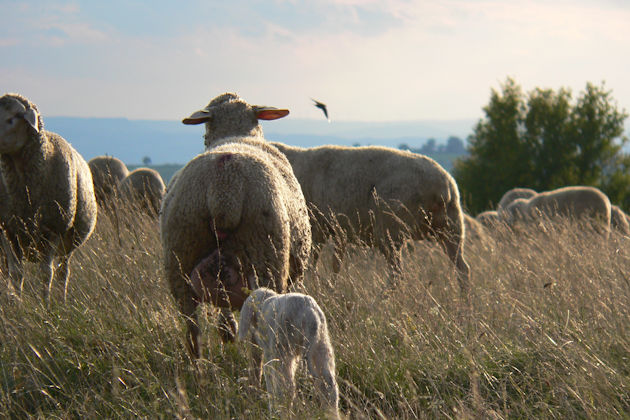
<point>18,120</point>
<point>229,115</point>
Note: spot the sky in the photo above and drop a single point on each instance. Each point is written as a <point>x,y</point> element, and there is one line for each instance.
<point>368,60</point>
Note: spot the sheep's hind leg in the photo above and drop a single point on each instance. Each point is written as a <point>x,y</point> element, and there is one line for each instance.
<point>321,365</point>
<point>47,270</point>
<point>15,266</point>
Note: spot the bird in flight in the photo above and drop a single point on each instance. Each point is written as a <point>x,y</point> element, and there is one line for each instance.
<point>322,106</point>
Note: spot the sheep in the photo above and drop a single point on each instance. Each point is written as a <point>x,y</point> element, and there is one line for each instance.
<point>476,231</point>
<point>107,172</point>
<point>289,327</point>
<point>50,207</point>
<point>232,200</point>
<point>380,196</point>
<point>228,116</point>
<point>513,194</point>
<point>619,220</point>
<point>488,218</point>
<point>353,184</point>
<point>574,201</point>
<point>144,189</point>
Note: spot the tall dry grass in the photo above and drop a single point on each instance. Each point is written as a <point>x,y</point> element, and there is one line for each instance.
<point>547,337</point>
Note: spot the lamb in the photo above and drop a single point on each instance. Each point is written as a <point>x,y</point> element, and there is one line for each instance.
<point>575,201</point>
<point>288,327</point>
<point>231,218</point>
<point>514,194</point>
<point>143,188</point>
<point>107,172</point>
<point>49,208</point>
<point>619,220</point>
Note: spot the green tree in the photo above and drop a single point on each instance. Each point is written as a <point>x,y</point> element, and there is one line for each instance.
<point>545,140</point>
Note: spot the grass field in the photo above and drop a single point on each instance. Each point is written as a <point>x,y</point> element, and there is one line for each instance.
<point>548,335</point>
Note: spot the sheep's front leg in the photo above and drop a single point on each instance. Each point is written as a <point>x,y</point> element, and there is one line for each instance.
<point>47,273</point>
<point>62,273</point>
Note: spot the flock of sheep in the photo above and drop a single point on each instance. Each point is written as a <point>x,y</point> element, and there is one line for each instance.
<point>248,215</point>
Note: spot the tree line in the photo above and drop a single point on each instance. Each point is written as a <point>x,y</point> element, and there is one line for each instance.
<point>545,139</point>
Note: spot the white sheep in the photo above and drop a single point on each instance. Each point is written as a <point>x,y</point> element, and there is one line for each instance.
<point>144,189</point>
<point>578,202</point>
<point>514,194</point>
<point>49,208</point>
<point>107,172</point>
<point>477,232</point>
<point>287,328</point>
<point>488,218</point>
<point>230,222</point>
<point>228,116</point>
<point>380,196</point>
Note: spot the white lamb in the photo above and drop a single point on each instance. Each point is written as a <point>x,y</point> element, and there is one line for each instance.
<point>288,327</point>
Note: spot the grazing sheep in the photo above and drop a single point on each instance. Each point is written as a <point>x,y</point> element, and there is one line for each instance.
<point>516,210</point>
<point>107,172</point>
<point>513,194</point>
<point>380,196</point>
<point>576,201</point>
<point>232,200</point>
<point>288,328</point>
<point>228,115</point>
<point>49,208</point>
<point>476,232</point>
<point>488,218</point>
<point>144,189</point>
<point>619,220</point>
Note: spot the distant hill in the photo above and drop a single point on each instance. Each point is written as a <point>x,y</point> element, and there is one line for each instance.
<point>171,142</point>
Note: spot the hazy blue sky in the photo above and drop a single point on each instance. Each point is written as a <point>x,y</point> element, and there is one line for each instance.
<point>378,60</point>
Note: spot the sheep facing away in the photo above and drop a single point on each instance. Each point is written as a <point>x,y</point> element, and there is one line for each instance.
<point>107,172</point>
<point>232,200</point>
<point>380,196</point>
<point>49,207</point>
<point>228,116</point>
<point>578,202</point>
<point>287,328</point>
<point>144,189</point>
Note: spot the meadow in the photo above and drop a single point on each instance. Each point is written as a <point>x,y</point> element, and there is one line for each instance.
<point>546,334</point>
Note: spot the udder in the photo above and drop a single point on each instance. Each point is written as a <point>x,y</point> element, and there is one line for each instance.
<point>217,280</point>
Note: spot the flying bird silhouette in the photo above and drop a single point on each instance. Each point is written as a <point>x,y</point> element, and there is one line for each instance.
<point>321,106</point>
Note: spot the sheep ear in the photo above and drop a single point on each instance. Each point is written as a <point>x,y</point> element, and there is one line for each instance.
<point>30,115</point>
<point>270,113</point>
<point>198,117</point>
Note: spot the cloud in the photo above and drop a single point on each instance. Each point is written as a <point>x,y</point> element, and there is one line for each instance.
<point>368,59</point>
